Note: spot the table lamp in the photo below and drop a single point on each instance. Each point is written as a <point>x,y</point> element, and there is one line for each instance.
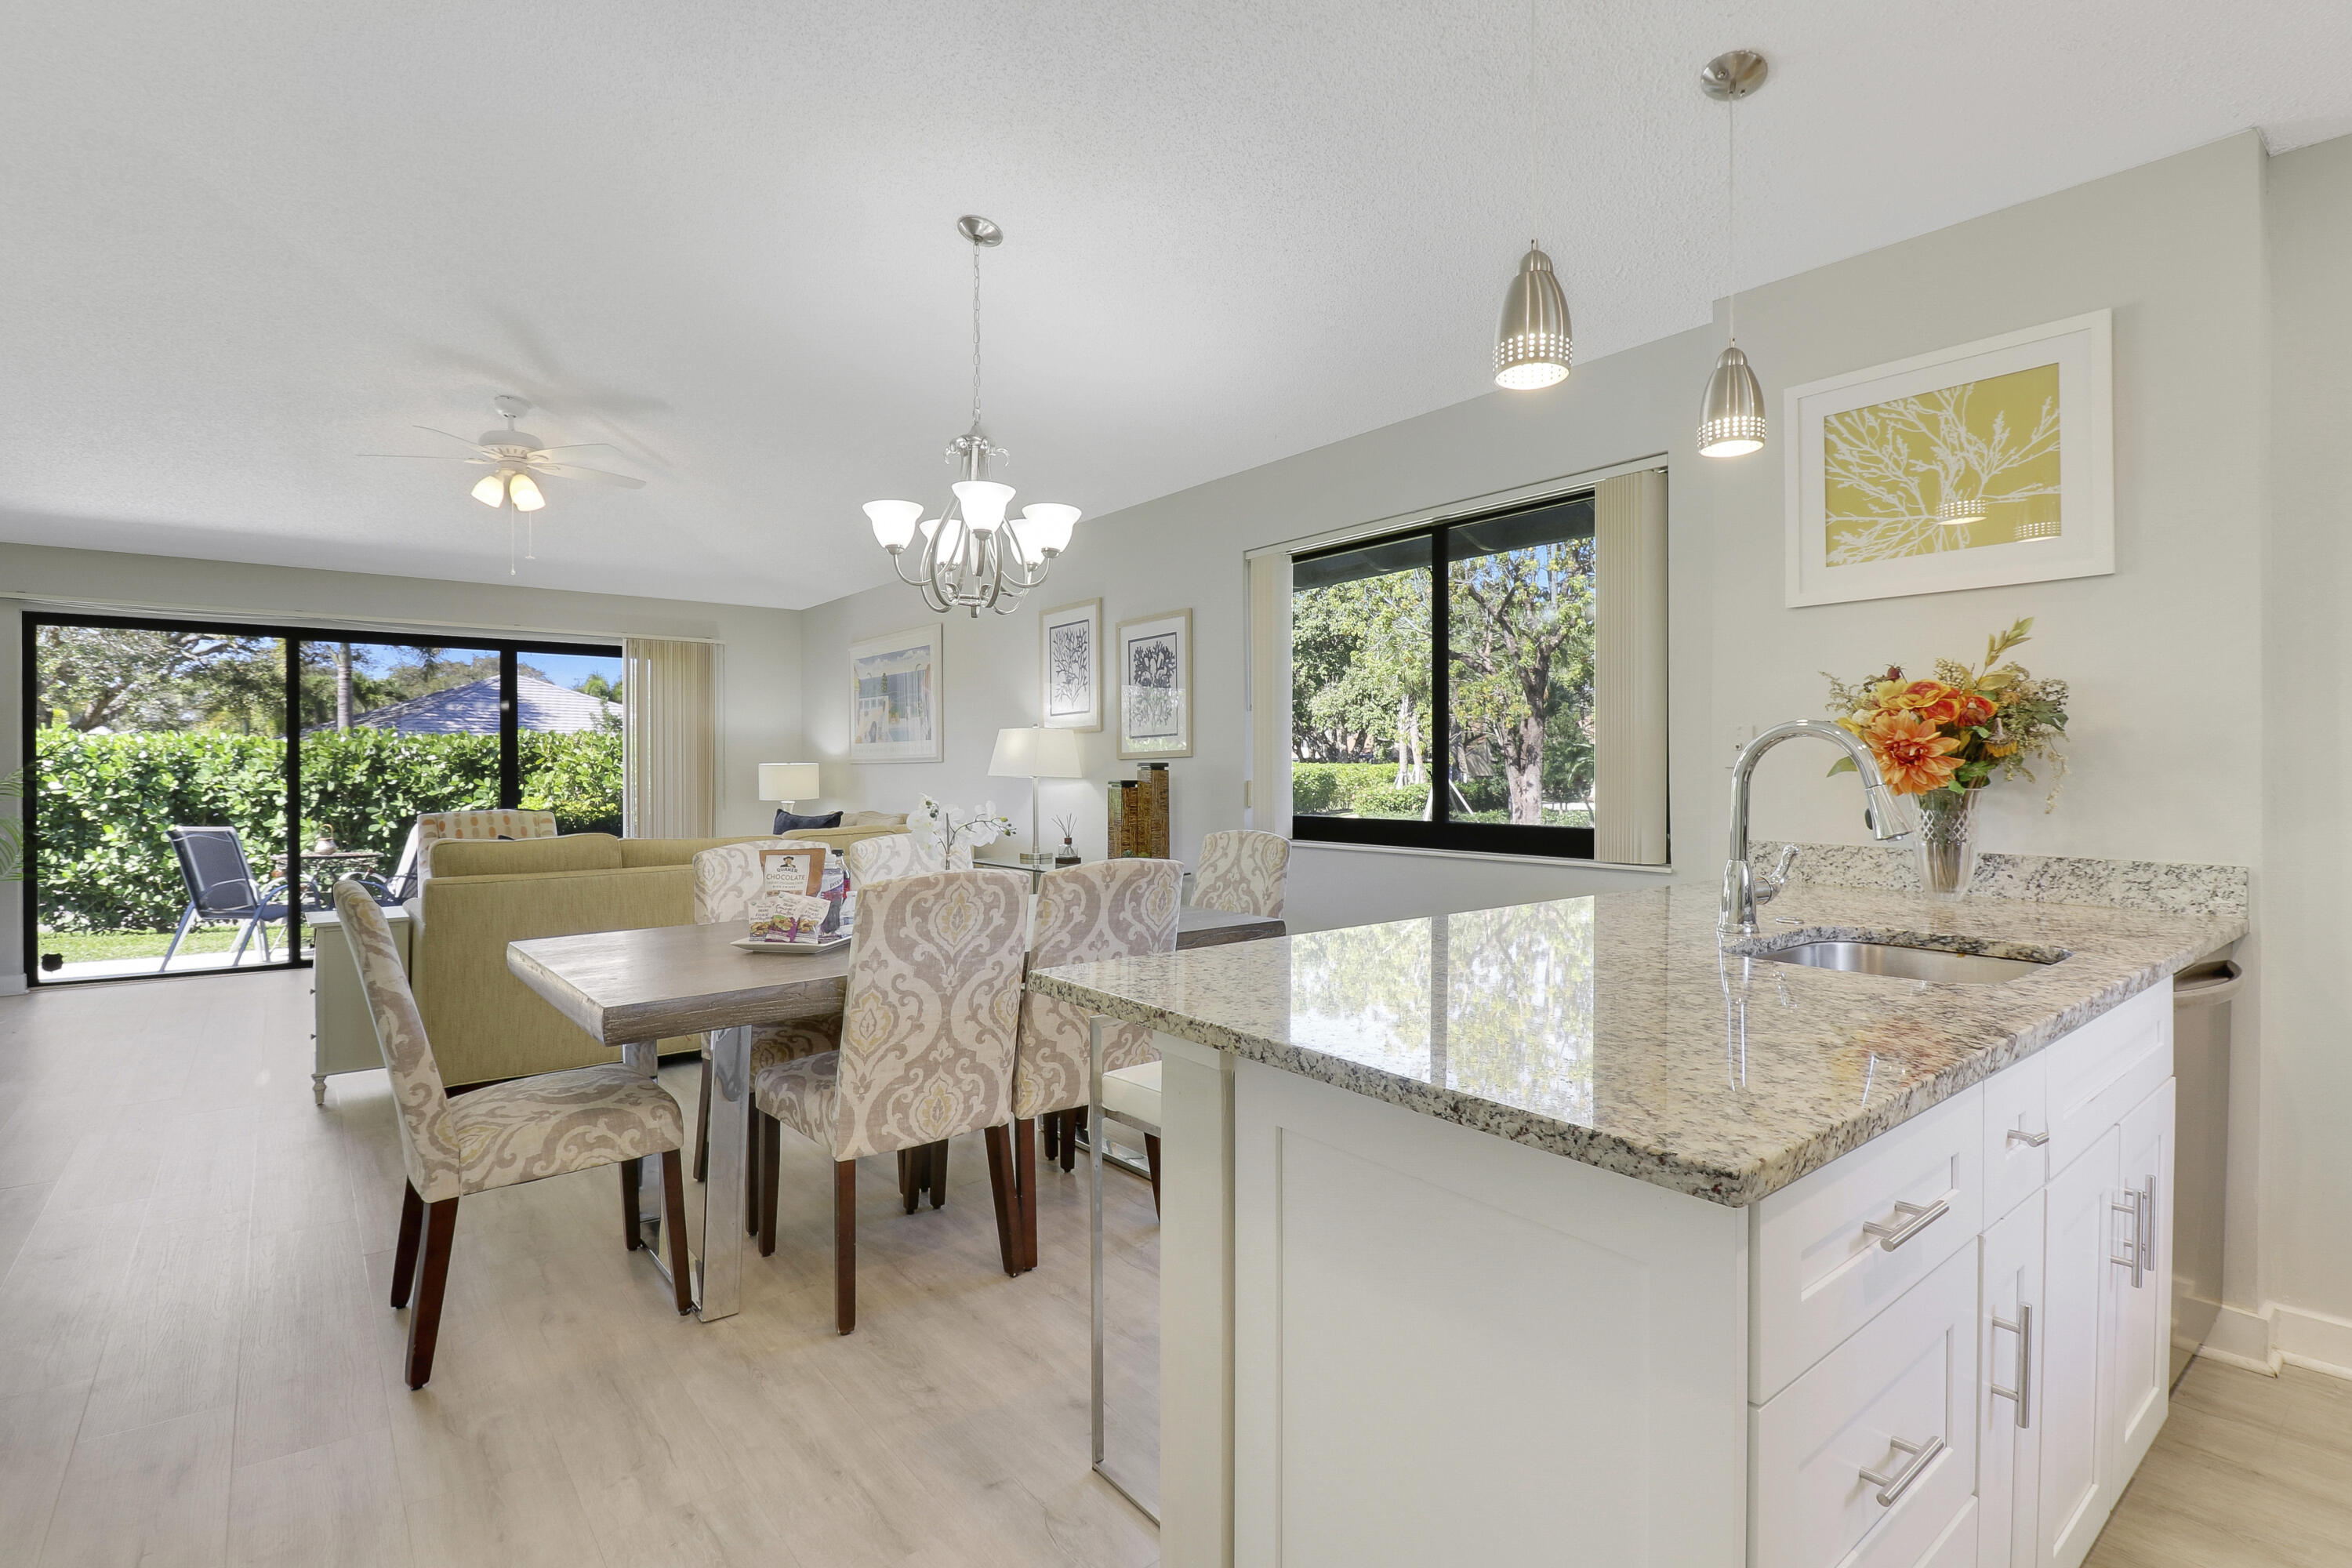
<point>788,783</point>
<point>1034,754</point>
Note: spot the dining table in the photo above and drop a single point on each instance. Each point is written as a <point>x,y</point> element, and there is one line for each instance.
<point>629,990</point>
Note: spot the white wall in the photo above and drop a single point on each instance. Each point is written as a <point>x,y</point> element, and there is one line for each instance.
<point>2174,716</point>
<point>760,706</point>
<point>2305,1096</point>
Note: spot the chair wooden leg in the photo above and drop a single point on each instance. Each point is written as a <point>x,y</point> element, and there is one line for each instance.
<point>937,1172</point>
<point>1073,1124</point>
<point>845,1245</point>
<point>633,1171</point>
<point>404,1259</point>
<point>1000,1186</point>
<point>1025,1176</point>
<point>752,1134</point>
<point>674,1225</point>
<point>911,1183</point>
<point>432,1278</point>
<point>1052,1127</point>
<point>1152,1158</point>
<point>703,1128</point>
<point>772,1140</point>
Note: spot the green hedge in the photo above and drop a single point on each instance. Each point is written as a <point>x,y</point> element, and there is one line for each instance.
<point>1327,789</point>
<point>105,802</point>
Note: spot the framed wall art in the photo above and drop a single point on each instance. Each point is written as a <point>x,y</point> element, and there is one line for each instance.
<point>1070,651</point>
<point>1155,687</point>
<point>1975,467</point>
<point>894,698</point>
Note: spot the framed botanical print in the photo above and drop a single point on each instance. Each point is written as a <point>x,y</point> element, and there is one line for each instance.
<point>1155,687</point>
<point>894,698</point>
<point>1070,649</point>
<point>1975,467</point>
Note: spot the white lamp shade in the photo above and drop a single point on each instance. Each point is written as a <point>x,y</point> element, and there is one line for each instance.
<point>492,490</point>
<point>525,493</point>
<point>788,781</point>
<point>1036,754</point>
<point>1046,526</point>
<point>983,503</point>
<point>894,524</point>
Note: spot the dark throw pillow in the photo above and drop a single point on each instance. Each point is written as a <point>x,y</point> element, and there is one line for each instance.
<point>789,821</point>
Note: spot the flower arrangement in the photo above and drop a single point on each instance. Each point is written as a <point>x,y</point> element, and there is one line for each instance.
<point>953,830</point>
<point>1948,736</point>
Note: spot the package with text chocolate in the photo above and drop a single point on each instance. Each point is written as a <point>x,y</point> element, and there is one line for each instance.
<point>787,907</point>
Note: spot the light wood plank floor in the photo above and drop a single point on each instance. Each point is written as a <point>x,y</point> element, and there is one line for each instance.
<point>197,1364</point>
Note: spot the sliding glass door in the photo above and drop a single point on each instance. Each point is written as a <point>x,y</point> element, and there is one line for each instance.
<point>195,787</point>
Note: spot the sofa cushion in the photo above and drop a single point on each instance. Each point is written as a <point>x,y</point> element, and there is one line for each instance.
<point>682,851</point>
<point>873,819</point>
<point>526,857</point>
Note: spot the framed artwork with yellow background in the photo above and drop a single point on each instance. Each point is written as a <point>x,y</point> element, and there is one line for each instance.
<point>1976,466</point>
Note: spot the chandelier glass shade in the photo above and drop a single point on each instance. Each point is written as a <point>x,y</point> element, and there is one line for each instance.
<point>509,484</point>
<point>974,556</point>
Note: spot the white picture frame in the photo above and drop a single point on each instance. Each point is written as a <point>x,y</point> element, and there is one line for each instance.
<point>1070,666</point>
<point>1155,687</point>
<point>897,707</point>
<point>2073,519</point>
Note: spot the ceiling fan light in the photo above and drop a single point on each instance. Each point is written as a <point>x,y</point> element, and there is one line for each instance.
<point>1047,526</point>
<point>492,489</point>
<point>1731,419</point>
<point>894,523</point>
<point>1533,342</point>
<point>983,503</point>
<point>524,492</point>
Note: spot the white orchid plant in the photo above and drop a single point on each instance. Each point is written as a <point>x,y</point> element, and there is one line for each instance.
<point>953,831</point>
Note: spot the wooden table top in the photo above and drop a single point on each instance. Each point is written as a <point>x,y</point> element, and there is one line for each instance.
<point>623,986</point>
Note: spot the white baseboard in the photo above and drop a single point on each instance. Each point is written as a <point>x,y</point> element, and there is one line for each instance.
<point>12,986</point>
<point>2313,1340</point>
<point>2242,1339</point>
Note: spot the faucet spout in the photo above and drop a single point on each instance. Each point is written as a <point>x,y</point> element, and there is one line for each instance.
<point>1743,889</point>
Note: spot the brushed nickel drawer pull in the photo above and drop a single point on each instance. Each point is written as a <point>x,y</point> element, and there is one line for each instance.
<point>1892,1487</point>
<point>2031,1140</point>
<point>2140,1252</point>
<point>1910,1219</point>
<point>2023,1393</point>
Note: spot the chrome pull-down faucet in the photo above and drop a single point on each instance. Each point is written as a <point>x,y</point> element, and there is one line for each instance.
<point>1743,889</point>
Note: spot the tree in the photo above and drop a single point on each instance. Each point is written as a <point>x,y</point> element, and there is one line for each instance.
<point>117,678</point>
<point>1520,633</point>
<point>1359,673</point>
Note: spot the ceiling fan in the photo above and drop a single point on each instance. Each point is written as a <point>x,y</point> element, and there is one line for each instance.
<point>514,456</point>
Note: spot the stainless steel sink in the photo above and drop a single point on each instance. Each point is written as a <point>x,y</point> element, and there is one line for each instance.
<point>1909,963</point>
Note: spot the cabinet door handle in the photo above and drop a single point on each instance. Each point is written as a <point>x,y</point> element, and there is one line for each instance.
<point>2023,1393</point>
<point>1909,1220</point>
<point>2136,1254</point>
<point>2031,1140</point>
<point>2144,1230</point>
<point>1892,1487</point>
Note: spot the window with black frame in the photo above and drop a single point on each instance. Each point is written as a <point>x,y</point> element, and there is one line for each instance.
<point>195,787</point>
<point>1444,685</point>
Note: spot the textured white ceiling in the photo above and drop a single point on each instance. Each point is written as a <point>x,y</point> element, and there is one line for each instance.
<point>240,245</point>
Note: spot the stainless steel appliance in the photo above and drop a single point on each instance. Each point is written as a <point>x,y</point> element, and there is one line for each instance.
<point>2200,1068</point>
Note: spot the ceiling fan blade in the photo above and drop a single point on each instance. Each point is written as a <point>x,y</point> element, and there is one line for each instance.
<point>566,471</point>
<point>461,440</point>
<point>428,457</point>
<point>575,447</point>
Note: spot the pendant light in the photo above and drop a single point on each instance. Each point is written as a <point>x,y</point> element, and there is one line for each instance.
<point>1532,342</point>
<point>1731,419</point>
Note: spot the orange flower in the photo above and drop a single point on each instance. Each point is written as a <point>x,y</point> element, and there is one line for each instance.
<point>1913,758</point>
<point>1973,710</point>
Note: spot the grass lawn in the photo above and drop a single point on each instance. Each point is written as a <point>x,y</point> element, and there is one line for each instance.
<point>89,947</point>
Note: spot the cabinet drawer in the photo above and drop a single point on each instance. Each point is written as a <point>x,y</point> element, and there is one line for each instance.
<point>1820,1273</point>
<point>1908,1378</point>
<point>2016,1135</point>
<point>2103,1069</point>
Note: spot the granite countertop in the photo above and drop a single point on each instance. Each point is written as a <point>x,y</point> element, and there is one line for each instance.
<point>1617,1030</point>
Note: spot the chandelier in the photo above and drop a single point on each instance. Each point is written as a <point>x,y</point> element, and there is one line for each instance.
<point>974,556</point>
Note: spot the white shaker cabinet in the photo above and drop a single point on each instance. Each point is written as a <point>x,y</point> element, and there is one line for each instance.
<point>2076,1327</point>
<point>2142,1360</point>
<point>2012,1330</point>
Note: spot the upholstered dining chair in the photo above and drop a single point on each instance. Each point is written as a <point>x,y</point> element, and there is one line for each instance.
<point>883,858</point>
<point>500,1136</point>
<point>726,880</point>
<point>927,1033</point>
<point>1107,909</point>
<point>1242,871</point>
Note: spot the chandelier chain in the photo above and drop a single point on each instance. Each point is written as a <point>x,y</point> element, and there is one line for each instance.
<point>975,337</point>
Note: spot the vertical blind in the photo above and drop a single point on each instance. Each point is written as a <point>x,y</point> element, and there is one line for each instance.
<point>1629,674</point>
<point>1269,692</point>
<point>671,770</point>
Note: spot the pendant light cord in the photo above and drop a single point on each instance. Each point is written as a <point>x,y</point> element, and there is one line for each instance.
<point>1534,140</point>
<point>1731,214</point>
<point>975,336</point>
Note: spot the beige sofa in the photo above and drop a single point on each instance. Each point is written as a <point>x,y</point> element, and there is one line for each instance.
<point>485,1024</point>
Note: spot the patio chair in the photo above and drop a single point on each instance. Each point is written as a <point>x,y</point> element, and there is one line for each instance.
<point>221,889</point>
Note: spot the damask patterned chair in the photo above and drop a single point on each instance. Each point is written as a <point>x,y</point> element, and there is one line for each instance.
<point>927,1042</point>
<point>888,857</point>
<point>1242,871</point>
<point>1108,909</point>
<point>500,1136</point>
<point>726,879</point>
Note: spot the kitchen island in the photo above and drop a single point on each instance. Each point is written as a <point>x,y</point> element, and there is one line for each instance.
<point>1573,1232</point>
